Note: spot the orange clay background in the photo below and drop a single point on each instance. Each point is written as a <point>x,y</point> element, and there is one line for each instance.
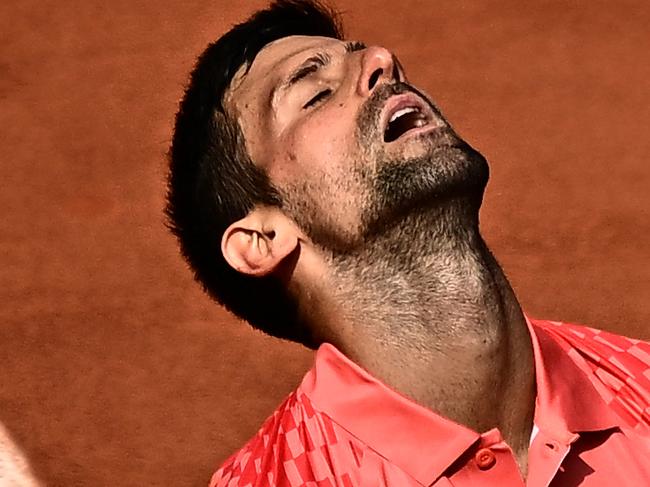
<point>116,370</point>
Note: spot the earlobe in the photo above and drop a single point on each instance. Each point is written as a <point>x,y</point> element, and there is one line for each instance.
<point>257,244</point>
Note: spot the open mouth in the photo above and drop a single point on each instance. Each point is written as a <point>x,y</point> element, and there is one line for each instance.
<point>403,114</point>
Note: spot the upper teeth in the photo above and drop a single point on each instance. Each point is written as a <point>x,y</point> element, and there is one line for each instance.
<point>401,112</point>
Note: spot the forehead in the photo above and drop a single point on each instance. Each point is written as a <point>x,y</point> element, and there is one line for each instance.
<point>275,58</point>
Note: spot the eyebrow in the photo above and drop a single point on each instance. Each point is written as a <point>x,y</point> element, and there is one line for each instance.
<point>354,46</point>
<point>309,66</point>
<point>321,59</point>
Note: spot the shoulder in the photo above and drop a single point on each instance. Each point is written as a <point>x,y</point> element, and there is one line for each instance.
<point>292,447</point>
<point>251,462</point>
<point>598,344</point>
<point>617,366</point>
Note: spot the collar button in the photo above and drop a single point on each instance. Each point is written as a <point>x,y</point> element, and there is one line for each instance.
<point>485,458</point>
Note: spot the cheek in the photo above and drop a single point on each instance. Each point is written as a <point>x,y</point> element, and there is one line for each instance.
<point>318,163</point>
<point>322,143</point>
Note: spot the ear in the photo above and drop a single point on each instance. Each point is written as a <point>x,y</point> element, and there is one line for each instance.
<point>258,243</point>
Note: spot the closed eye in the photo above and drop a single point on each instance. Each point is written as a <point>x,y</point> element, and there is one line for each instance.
<point>320,96</point>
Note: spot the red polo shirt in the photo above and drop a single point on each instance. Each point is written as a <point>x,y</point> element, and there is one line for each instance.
<point>342,427</point>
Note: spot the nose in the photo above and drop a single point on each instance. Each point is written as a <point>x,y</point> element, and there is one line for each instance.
<point>377,64</point>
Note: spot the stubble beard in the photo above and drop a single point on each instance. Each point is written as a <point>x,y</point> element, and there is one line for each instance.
<point>417,225</point>
<point>405,208</point>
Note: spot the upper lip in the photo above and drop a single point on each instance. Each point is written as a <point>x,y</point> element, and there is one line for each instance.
<point>405,100</point>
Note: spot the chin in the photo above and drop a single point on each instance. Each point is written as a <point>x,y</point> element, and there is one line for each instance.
<point>444,170</point>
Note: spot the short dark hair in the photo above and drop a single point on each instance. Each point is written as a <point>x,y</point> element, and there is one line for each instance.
<point>212,181</point>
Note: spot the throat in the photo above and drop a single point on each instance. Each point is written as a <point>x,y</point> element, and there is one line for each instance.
<point>426,309</point>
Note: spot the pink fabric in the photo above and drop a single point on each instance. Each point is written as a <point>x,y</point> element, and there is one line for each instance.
<point>342,427</point>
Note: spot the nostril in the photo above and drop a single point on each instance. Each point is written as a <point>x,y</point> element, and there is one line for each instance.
<point>396,73</point>
<point>374,77</point>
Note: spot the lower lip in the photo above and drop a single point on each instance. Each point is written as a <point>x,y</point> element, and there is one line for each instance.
<point>418,131</point>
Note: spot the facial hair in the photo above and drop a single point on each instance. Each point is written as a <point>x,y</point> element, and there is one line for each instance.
<point>388,191</point>
<point>449,170</point>
<point>416,247</point>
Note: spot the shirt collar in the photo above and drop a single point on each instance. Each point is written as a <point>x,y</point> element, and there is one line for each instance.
<point>568,402</point>
<point>419,441</point>
<point>424,444</point>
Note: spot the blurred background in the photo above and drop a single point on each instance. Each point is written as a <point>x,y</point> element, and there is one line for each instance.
<point>116,370</point>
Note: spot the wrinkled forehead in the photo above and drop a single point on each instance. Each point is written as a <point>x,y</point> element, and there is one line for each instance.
<point>272,61</point>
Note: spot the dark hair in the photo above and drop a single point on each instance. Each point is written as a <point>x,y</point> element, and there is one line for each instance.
<point>212,182</point>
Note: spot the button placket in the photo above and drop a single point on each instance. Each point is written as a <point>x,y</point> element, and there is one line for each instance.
<point>548,454</point>
<point>552,445</point>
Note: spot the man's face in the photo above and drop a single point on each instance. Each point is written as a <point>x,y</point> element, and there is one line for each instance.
<point>347,142</point>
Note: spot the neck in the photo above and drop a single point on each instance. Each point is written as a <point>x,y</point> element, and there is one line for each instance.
<point>426,308</point>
